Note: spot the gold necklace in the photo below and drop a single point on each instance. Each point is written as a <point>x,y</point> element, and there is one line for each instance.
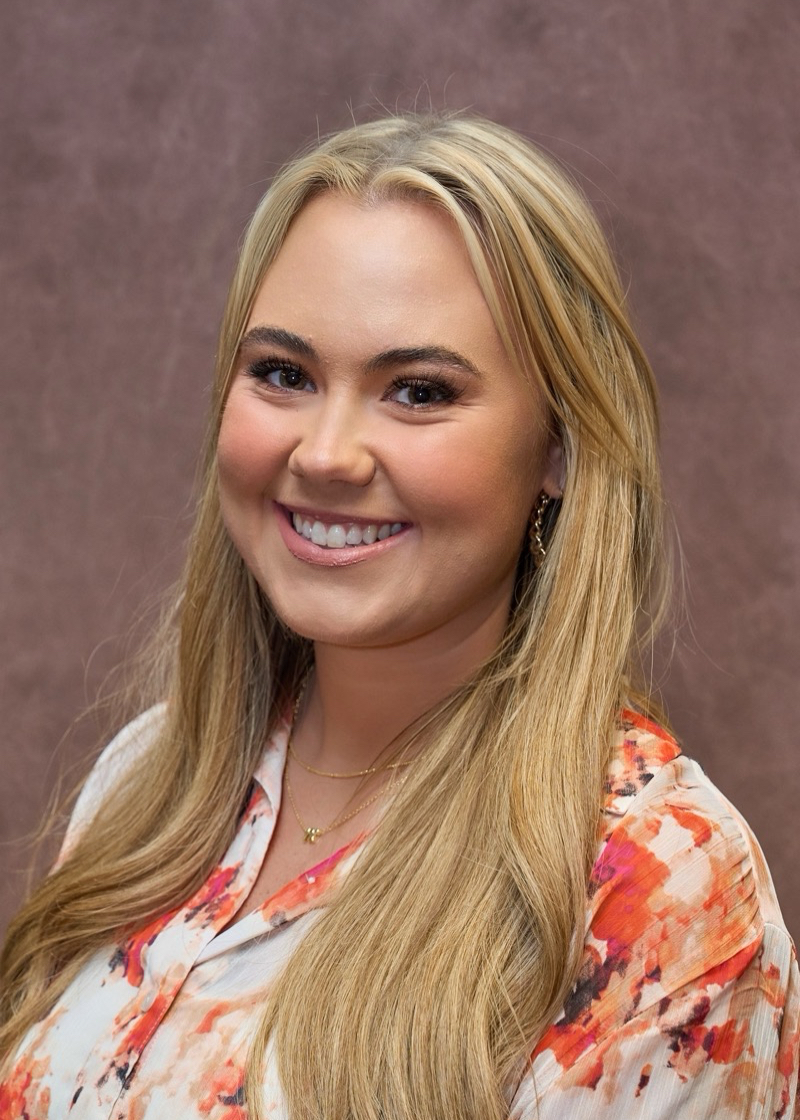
<point>327,773</point>
<point>353,774</point>
<point>312,833</point>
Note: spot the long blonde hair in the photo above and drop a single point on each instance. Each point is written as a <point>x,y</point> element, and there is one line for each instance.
<point>411,998</point>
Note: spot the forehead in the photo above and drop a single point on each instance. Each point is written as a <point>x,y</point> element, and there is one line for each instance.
<point>389,273</point>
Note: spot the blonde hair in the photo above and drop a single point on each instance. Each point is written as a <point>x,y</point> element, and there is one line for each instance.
<point>412,998</point>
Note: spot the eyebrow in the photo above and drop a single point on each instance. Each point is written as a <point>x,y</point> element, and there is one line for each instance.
<point>277,336</point>
<point>398,355</point>
<point>410,355</point>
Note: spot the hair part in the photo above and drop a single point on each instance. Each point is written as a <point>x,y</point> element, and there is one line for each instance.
<point>381,1011</point>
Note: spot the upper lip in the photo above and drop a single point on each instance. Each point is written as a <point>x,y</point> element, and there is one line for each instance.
<point>334,518</point>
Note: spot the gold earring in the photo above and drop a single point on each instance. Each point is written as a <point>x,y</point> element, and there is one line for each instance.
<point>536,528</point>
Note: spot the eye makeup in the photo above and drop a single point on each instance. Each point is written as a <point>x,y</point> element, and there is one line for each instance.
<point>444,390</point>
<point>422,391</point>
<point>261,368</point>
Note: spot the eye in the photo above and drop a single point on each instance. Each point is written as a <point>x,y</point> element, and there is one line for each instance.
<point>421,392</point>
<point>281,375</point>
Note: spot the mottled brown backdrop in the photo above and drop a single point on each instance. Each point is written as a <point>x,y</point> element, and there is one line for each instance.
<point>135,140</point>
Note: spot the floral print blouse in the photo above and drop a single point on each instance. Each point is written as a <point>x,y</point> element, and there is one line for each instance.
<point>687,1005</point>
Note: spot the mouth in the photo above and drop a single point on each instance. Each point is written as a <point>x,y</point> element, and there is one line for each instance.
<point>344,532</point>
<point>332,538</point>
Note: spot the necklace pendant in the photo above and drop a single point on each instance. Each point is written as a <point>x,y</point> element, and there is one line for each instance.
<point>311,835</point>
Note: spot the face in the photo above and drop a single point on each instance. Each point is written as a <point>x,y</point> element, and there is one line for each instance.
<point>378,456</point>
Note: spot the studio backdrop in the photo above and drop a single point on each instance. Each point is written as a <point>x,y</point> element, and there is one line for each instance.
<point>136,140</point>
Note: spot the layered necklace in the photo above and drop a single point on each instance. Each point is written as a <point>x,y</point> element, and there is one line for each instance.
<point>311,833</point>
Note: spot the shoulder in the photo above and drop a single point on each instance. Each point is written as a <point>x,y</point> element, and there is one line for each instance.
<point>671,842</point>
<point>680,880</point>
<point>687,964</point>
<point>115,761</point>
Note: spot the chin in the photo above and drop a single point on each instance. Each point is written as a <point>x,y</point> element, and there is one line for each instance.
<point>336,628</point>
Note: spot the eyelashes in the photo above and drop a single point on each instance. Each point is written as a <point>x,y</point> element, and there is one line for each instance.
<point>423,392</point>
<point>289,375</point>
<point>416,393</point>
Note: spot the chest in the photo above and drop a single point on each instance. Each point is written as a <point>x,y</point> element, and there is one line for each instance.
<point>290,854</point>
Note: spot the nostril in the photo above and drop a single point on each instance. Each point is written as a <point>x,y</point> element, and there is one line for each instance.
<point>352,465</point>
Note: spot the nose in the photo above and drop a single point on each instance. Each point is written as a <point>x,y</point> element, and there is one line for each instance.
<point>331,446</point>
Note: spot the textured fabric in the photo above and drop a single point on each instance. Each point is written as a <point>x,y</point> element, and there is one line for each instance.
<point>687,1004</point>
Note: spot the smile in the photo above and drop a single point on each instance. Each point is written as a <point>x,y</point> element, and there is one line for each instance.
<point>336,540</point>
<point>343,535</point>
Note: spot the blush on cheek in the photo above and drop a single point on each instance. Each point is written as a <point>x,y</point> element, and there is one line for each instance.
<point>242,455</point>
<point>471,471</point>
<point>500,476</point>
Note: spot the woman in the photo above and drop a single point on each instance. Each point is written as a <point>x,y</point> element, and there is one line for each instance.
<point>469,875</point>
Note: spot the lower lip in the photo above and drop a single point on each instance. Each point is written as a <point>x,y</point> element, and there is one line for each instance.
<point>329,557</point>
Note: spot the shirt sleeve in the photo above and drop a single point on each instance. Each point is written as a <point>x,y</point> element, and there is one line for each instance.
<point>113,762</point>
<point>688,1001</point>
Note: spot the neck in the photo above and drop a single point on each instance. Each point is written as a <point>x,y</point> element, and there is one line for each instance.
<point>360,699</point>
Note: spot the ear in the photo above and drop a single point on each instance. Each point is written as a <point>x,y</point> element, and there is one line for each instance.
<point>553,477</point>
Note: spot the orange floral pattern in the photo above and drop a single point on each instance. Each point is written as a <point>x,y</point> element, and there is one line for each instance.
<point>687,1003</point>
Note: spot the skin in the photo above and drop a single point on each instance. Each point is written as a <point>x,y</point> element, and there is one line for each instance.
<point>336,432</point>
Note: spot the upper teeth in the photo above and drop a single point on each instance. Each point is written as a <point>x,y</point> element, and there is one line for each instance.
<point>340,536</point>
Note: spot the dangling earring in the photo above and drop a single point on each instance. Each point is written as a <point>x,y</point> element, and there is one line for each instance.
<point>536,528</point>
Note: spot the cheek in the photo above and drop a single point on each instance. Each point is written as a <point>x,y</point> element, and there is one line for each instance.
<point>486,480</point>
<point>247,455</point>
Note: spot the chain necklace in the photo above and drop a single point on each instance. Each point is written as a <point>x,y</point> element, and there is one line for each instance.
<point>352,774</point>
<point>327,773</point>
<point>311,832</point>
